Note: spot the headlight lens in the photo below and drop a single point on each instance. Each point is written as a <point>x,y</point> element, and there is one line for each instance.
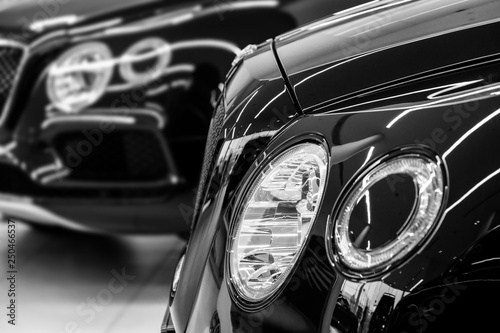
<point>276,219</point>
<point>146,60</point>
<point>393,236</point>
<point>80,76</point>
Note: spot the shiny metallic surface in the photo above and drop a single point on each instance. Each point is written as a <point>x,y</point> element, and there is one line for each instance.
<point>425,76</point>
<point>210,151</point>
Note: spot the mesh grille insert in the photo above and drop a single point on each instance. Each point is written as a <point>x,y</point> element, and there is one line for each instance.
<point>121,156</point>
<point>10,59</point>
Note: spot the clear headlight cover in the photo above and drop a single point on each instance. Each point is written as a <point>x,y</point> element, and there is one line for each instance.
<point>146,60</point>
<point>427,178</point>
<point>276,219</point>
<point>80,76</point>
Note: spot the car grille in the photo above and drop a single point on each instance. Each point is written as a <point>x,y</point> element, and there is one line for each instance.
<point>210,149</point>
<point>121,156</point>
<point>10,61</point>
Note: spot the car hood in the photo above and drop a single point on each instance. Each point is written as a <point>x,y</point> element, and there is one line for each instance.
<point>19,15</point>
<point>372,45</point>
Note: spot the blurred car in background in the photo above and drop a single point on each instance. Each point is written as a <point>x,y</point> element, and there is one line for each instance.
<point>105,104</point>
<point>353,168</point>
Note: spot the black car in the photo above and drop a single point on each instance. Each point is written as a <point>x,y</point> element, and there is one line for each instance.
<point>105,104</point>
<point>353,159</point>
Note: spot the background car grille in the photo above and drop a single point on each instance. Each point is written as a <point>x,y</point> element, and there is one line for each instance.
<point>10,60</point>
<point>210,149</point>
<point>122,156</point>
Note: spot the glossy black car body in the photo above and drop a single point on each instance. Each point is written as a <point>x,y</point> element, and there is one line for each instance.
<point>371,83</point>
<point>128,161</point>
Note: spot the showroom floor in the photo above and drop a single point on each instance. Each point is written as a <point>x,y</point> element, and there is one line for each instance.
<point>72,282</point>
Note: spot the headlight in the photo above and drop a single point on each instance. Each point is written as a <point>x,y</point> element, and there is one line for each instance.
<point>145,61</point>
<point>388,213</point>
<point>275,221</point>
<point>80,76</point>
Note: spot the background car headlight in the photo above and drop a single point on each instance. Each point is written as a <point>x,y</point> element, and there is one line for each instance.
<point>146,60</point>
<point>80,76</point>
<point>275,221</point>
<point>387,213</point>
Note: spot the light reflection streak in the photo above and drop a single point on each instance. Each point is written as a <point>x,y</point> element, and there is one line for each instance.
<point>356,8</point>
<point>389,98</point>
<point>25,208</point>
<point>368,207</point>
<point>441,101</point>
<point>416,284</point>
<point>406,18</point>
<point>41,25</point>
<point>7,148</point>
<point>384,48</point>
<point>249,100</point>
<point>56,166</point>
<point>272,100</point>
<point>344,18</point>
<point>482,182</point>
<point>452,87</point>
<point>58,175</point>
<point>369,155</point>
<point>245,133</point>
<point>96,26</point>
<point>88,118</point>
<point>207,43</point>
<point>184,15</point>
<point>469,132</point>
<point>250,4</point>
<point>98,115</point>
<point>483,261</point>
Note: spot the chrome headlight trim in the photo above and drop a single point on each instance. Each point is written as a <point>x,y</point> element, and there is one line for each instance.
<point>264,175</point>
<point>417,230</point>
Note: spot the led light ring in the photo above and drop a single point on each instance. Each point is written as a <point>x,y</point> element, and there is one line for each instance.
<point>65,60</point>
<point>155,48</point>
<point>429,181</point>
<point>266,176</point>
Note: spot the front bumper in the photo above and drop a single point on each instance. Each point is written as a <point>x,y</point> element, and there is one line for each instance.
<point>159,216</point>
<point>91,173</point>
